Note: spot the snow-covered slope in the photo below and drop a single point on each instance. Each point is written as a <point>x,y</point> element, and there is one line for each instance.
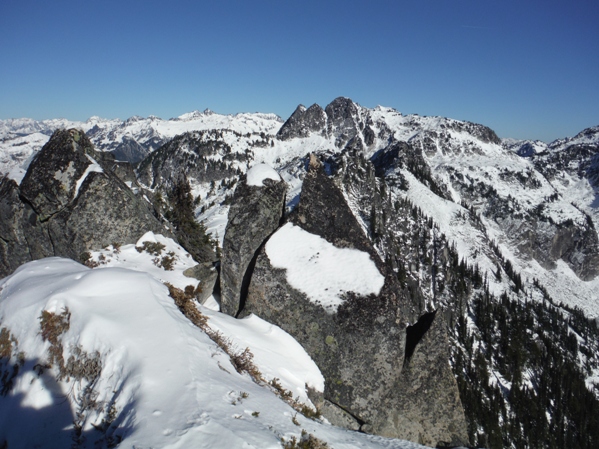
<point>103,356</point>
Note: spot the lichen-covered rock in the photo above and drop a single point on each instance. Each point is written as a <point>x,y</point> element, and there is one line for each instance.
<point>105,211</point>
<point>53,178</point>
<point>255,214</point>
<point>22,239</point>
<point>68,203</point>
<point>430,411</point>
<point>339,417</point>
<point>361,347</point>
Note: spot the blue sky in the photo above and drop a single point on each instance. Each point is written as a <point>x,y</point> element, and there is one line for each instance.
<point>526,69</point>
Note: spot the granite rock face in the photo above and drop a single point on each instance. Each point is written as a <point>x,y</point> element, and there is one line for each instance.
<point>69,202</point>
<point>379,377</point>
<point>255,214</point>
<point>22,238</point>
<point>430,411</point>
<point>54,177</point>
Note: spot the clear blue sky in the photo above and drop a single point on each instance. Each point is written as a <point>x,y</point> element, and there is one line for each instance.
<point>527,69</point>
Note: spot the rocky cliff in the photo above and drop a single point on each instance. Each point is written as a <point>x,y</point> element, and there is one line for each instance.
<point>382,375</point>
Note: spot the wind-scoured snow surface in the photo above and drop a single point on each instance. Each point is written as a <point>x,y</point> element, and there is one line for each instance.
<point>319,269</point>
<point>163,383</point>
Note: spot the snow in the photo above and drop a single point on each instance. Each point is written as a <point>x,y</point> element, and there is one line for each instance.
<point>169,384</point>
<point>322,271</point>
<point>16,153</point>
<point>259,172</point>
<point>92,167</point>
<point>133,257</point>
<point>22,138</point>
<point>276,353</point>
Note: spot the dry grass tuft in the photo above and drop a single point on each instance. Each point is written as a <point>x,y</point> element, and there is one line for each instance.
<point>80,365</point>
<point>153,248</point>
<point>306,441</point>
<point>185,301</point>
<point>243,361</point>
<point>8,351</point>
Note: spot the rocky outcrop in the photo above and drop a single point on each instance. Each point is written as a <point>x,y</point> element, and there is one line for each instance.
<point>255,214</point>
<point>343,120</point>
<point>54,177</point>
<point>208,275</point>
<point>130,150</point>
<point>69,202</point>
<point>430,409</point>
<point>303,122</point>
<point>371,382</point>
<point>546,241</point>
<point>22,238</point>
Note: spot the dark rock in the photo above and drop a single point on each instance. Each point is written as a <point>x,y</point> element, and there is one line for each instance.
<point>302,122</point>
<point>22,238</point>
<point>343,120</point>
<point>51,179</point>
<point>125,172</point>
<point>130,150</point>
<point>69,202</point>
<point>360,349</point>
<point>255,214</point>
<point>429,389</point>
<point>369,135</point>
<point>207,274</point>
<point>105,211</point>
<point>339,417</point>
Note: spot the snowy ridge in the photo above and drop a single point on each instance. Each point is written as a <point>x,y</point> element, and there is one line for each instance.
<point>458,184</point>
<point>129,373</point>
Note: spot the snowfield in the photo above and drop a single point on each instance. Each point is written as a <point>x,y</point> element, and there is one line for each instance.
<point>320,270</point>
<point>147,376</point>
